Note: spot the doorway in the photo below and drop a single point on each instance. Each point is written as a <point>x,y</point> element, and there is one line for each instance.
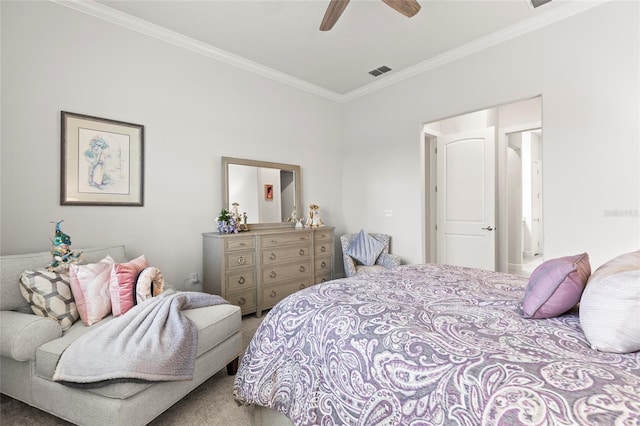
<point>524,190</point>
<point>513,246</point>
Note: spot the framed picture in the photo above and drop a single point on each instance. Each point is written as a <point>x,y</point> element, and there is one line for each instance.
<point>102,162</point>
<point>268,192</point>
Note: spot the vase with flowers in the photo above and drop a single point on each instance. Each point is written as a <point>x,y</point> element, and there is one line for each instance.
<point>227,222</point>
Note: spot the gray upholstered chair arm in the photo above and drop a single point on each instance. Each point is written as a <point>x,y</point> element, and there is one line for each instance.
<point>388,260</point>
<point>349,266</point>
<point>21,334</point>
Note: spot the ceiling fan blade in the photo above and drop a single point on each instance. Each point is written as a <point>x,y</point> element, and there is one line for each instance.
<point>335,9</point>
<point>407,7</point>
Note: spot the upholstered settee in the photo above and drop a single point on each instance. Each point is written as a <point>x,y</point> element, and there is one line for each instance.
<point>31,346</point>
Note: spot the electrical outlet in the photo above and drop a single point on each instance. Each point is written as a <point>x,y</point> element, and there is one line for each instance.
<point>388,213</point>
<point>193,278</point>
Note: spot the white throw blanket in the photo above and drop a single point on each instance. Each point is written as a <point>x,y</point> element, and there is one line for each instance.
<point>153,341</point>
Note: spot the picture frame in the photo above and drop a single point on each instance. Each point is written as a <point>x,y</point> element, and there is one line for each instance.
<point>268,192</point>
<point>102,161</point>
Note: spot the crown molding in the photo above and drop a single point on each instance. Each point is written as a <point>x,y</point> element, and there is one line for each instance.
<point>554,15</point>
<point>114,16</point>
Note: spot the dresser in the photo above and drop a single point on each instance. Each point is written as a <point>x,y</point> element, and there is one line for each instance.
<point>257,269</point>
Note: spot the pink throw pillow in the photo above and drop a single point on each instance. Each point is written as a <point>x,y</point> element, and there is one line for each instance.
<point>123,284</point>
<point>90,288</point>
<point>556,286</point>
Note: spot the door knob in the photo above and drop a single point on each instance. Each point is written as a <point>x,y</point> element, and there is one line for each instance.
<point>489,228</point>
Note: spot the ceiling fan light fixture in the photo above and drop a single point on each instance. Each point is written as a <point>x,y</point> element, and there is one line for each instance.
<point>380,70</point>
<point>407,7</point>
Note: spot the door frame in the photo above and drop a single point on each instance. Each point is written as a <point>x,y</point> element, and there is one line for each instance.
<point>429,143</point>
<point>502,241</point>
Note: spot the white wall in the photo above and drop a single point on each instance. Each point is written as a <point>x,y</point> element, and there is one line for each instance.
<point>586,68</point>
<point>194,110</point>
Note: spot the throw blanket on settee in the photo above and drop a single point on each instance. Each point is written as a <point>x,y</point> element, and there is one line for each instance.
<point>153,341</point>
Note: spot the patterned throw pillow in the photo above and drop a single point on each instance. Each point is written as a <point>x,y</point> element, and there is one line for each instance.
<point>122,284</point>
<point>150,283</point>
<point>49,295</point>
<point>90,287</point>
<point>365,249</point>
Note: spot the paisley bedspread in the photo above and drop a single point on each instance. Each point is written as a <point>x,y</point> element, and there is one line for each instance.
<point>430,345</point>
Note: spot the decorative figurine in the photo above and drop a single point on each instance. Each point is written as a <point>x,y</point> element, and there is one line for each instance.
<point>314,220</point>
<point>294,218</point>
<point>235,211</point>
<point>61,251</point>
<point>244,226</point>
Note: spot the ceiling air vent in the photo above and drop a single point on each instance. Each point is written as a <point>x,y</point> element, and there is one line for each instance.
<point>380,70</point>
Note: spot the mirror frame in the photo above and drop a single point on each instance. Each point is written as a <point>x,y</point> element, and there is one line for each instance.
<point>226,161</point>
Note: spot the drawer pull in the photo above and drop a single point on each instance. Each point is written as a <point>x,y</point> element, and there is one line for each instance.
<point>272,274</point>
<point>302,268</point>
<point>241,301</point>
<point>242,244</point>
<point>272,256</point>
<point>273,293</point>
<point>323,249</point>
<point>242,260</point>
<point>323,264</point>
<point>241,280</point>
<point>301,252</point>
<point>302,286</point>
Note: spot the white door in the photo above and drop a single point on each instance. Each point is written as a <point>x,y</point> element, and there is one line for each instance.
<point>466,199</point>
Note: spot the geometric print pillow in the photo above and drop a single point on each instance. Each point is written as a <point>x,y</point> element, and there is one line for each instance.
<point>49,295</point>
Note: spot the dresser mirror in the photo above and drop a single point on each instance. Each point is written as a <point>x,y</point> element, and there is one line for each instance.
<point>267,192</point>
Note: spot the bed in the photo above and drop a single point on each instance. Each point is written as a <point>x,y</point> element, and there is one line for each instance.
<point>431,344</point>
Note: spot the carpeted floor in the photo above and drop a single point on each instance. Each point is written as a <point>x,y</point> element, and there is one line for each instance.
<point>211,403</point>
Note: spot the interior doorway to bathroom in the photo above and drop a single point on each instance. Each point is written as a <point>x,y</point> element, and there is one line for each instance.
<point>514,221</point>
<point>524,195</point>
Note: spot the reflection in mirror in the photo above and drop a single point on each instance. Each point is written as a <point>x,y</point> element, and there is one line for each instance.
<point>267,192</point>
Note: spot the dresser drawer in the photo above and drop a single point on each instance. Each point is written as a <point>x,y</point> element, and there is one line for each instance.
<point>323,247</point>
<point>239,243</point>
<point>323,235</point>
<point>240,280</point>
<point>274,294</point>
<point>284,254</point>
<point>322,265</point>
<point>245,299</point>
<point>244,259</point>
<point>323,277</point>
<point>277,273</point>
<point>280,239</point>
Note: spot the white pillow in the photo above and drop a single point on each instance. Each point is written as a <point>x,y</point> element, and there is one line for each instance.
<point>610,305</point>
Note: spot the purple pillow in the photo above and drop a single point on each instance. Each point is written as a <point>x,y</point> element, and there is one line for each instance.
<point>556,286</point>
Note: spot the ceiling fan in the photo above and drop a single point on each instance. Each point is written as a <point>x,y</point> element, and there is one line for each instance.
<point>407,7</point>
